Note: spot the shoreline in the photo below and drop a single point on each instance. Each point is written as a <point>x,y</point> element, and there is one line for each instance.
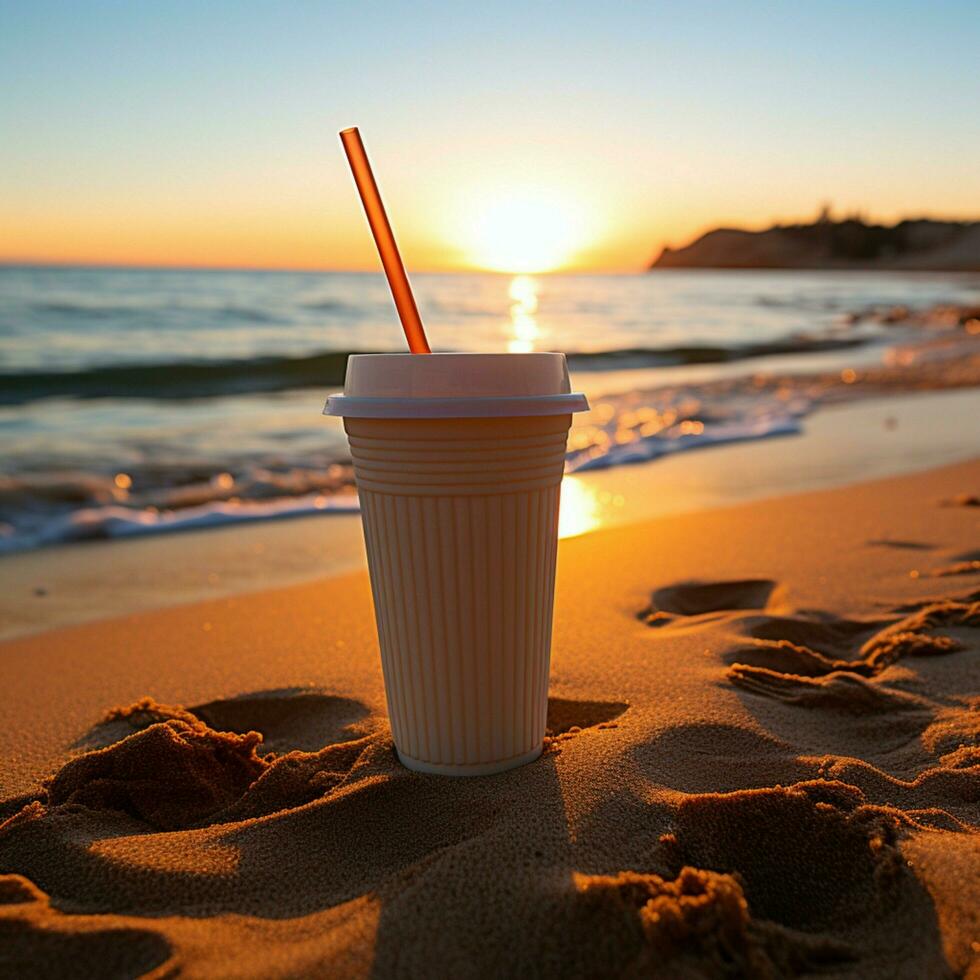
<point>89,468</point>
<point>839,445</point>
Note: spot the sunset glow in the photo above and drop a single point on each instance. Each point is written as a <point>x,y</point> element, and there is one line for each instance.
<point>213,142</point>
<point>521,230</point>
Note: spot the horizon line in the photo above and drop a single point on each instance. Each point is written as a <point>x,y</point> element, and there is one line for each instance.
<point>160,267</point>
<point>647,266</point>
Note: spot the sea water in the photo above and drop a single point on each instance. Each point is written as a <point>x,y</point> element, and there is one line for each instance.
<point>136,401</point>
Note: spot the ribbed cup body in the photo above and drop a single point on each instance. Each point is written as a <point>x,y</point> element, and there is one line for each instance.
<point>461,525</point>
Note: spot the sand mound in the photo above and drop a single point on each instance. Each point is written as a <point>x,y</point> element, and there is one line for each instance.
<point>170,775</point>
<point>698,925</point>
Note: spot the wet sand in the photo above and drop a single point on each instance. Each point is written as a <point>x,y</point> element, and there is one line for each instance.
<point>763,761</point>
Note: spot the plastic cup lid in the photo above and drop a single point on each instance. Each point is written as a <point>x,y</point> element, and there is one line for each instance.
<point>455,386</point>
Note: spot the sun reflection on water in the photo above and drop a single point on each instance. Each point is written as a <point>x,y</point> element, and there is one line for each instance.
<point>579,508</point>
<point>523,324</point>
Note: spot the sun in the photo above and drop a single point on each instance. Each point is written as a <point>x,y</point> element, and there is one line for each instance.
<point>521,230</point>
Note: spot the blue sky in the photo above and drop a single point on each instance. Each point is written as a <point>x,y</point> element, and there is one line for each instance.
<point>132,130</point>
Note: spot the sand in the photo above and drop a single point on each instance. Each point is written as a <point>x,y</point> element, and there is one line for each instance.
<point>763,761</point>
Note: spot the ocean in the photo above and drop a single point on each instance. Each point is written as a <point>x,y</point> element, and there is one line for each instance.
<point>137,401</point>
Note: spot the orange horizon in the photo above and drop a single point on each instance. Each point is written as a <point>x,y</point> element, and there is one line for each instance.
<point>620,254</point>
<point>70,263</point>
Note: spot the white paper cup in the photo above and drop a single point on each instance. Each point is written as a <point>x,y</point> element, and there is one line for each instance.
<point>458,460</point>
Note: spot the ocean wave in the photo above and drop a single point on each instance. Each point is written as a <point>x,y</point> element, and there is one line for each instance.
<point>333,306</point>
<point>53,506</point>
<point>217,378</point>
<point>639,357</point>
<point>116,521</point>
<point>106,311</point>
<point>646,449</point>
<point>641,426</point>
<point>238,314</point>
<point>94,311</point>
<point>177,379</point>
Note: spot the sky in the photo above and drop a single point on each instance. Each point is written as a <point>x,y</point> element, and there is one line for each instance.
<point>515,136</point>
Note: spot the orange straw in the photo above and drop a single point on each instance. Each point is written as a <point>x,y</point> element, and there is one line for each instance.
<point>401,291</point>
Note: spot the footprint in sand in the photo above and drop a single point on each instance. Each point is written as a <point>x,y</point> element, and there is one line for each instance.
<point>173,767</point>
<point>902,545</point>
<point>838,666</point>
<point>832,637</point>
<point>568,716</point>
<point>687,599</point>
<point>918,604</point>
<point>833,662</point>
<point>815,658</point>
<point>840,691</point>
<point>777,881</point>
<point>830,864</point>
<point>697,924</point>
<point>962,500</point>
<point>810,657</point>
<point>965,563</point>
<point>288,718</point>
<point>826,858</point>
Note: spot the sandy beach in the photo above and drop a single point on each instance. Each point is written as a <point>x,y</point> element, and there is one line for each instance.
<point>487,494</point>
<point>763,762</point>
